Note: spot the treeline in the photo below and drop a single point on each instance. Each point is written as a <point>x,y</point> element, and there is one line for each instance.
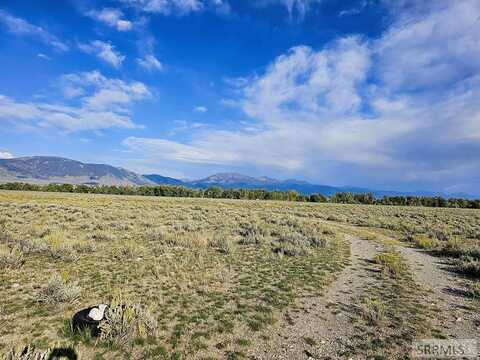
<point>247,194</point>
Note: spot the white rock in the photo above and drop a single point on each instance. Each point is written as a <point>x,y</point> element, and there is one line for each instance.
<point>97,313</point>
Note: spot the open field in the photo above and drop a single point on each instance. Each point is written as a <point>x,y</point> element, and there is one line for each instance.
<point>215,279</point>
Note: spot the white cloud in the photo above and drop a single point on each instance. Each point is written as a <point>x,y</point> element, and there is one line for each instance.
<point>43,56</point>
<point>21,27</point>
<point>94,102</point>
<point>150,62</point>
<point>297,8</point>
<point>167,7</point>
<point>6,155</point>
<point>111,17</point>
<point>200,109</point>
<point>104,51</point>
<point>355,10</point>
<point>401,108</point>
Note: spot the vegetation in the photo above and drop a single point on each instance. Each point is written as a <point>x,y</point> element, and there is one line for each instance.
<point>248,194</point>
<point>207,278</point>
<point>195,276</point>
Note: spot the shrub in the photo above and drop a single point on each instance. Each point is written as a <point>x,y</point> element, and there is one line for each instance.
<point>11,258</point>
<point>373,311</point>
<point>99,236</point>
<point>125,322</point>
<point>221,241</point>
<point>59,291</point>
<point>27,353</point>
<point>468,266</point>
<point>475,290</point>
<point>422,241</point>
<point>317,242</point>
<point>290,250</point>
<point>391,263</point>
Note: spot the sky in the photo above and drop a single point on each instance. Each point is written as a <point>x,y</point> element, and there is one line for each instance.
<point>374,93</point>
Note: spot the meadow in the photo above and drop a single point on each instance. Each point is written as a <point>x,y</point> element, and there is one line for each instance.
<point>218,279</point>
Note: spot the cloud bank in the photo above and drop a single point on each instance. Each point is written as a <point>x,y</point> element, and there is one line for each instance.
<point>92,102</point>
<point>403,108</point>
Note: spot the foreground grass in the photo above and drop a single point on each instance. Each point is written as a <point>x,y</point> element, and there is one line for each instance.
<point>210,273</point>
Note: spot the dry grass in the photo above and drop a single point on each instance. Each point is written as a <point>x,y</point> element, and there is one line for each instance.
<point>213,274</point>
<point>207,270</point>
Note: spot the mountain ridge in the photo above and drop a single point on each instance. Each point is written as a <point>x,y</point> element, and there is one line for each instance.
<point>53,169</point>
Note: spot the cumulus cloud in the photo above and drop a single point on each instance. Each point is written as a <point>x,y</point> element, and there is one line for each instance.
<point>6,155</point>
<point>21,27</point>
<point>92,102</point>
<point>104,51</point>
<point>111,17</point>
<point>401,108</point>
<point>150,62</point>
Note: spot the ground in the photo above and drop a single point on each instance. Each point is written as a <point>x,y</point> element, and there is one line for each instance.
<point>214,279</point>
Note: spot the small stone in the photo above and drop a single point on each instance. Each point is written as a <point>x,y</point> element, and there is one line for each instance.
<point>459,319</point>
<point>16,285</point>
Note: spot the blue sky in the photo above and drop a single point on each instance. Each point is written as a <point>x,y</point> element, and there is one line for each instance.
<point>377,93</point>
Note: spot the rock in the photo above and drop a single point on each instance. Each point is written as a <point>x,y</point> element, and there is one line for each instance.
<point>97,313</point>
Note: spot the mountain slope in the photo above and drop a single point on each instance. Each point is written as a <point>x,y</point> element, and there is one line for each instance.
<point>47,169</point>
<point>163,180</point>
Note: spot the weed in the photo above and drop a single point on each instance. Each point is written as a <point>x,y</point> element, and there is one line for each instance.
<point>27,353</point>
<point>391,263</point>
<point>373,311</point>
<point>59,291</point>
<point>125,322</point>
<point>468,266</point>
<point>475,290</point>
<point>11,258</point>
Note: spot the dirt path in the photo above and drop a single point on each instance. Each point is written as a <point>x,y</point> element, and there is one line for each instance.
<point>449,293</point>
<point>458,315</point>
<point>323,329</point>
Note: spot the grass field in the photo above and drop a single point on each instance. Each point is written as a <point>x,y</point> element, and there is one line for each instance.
<point>209,278</point>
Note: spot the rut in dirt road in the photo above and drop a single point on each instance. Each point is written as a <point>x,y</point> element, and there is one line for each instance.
<point>458,317</point>
<point>324,331</point>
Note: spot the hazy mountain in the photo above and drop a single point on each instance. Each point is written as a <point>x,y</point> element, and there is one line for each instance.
<point>163,180</point>
<point>46,169</point>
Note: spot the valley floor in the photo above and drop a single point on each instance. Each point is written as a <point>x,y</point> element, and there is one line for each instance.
<point>233,279</point>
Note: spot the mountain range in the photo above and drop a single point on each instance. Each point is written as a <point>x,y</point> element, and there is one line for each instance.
<point>47,169</point>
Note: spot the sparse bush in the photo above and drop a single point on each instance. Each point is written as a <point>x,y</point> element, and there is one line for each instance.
<point>252,233</point>
<point>373,311</point>
<point>422,241</point>
<point>125,322</point>
<point>102,236</point>
<point>11,258</point>
<point>317,242</point>
<point>222,242</point>
<point>59,291</point>
<point>27,353</point>
<point>33,246</point>
<point>468,266</point>
<point>290,250</point>
<point>475,290</point>
<point>391,263</point>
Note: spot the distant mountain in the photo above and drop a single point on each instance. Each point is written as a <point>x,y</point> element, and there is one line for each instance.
<point>163,180</point>
<point>47,169</point>
<point>240,181</point>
